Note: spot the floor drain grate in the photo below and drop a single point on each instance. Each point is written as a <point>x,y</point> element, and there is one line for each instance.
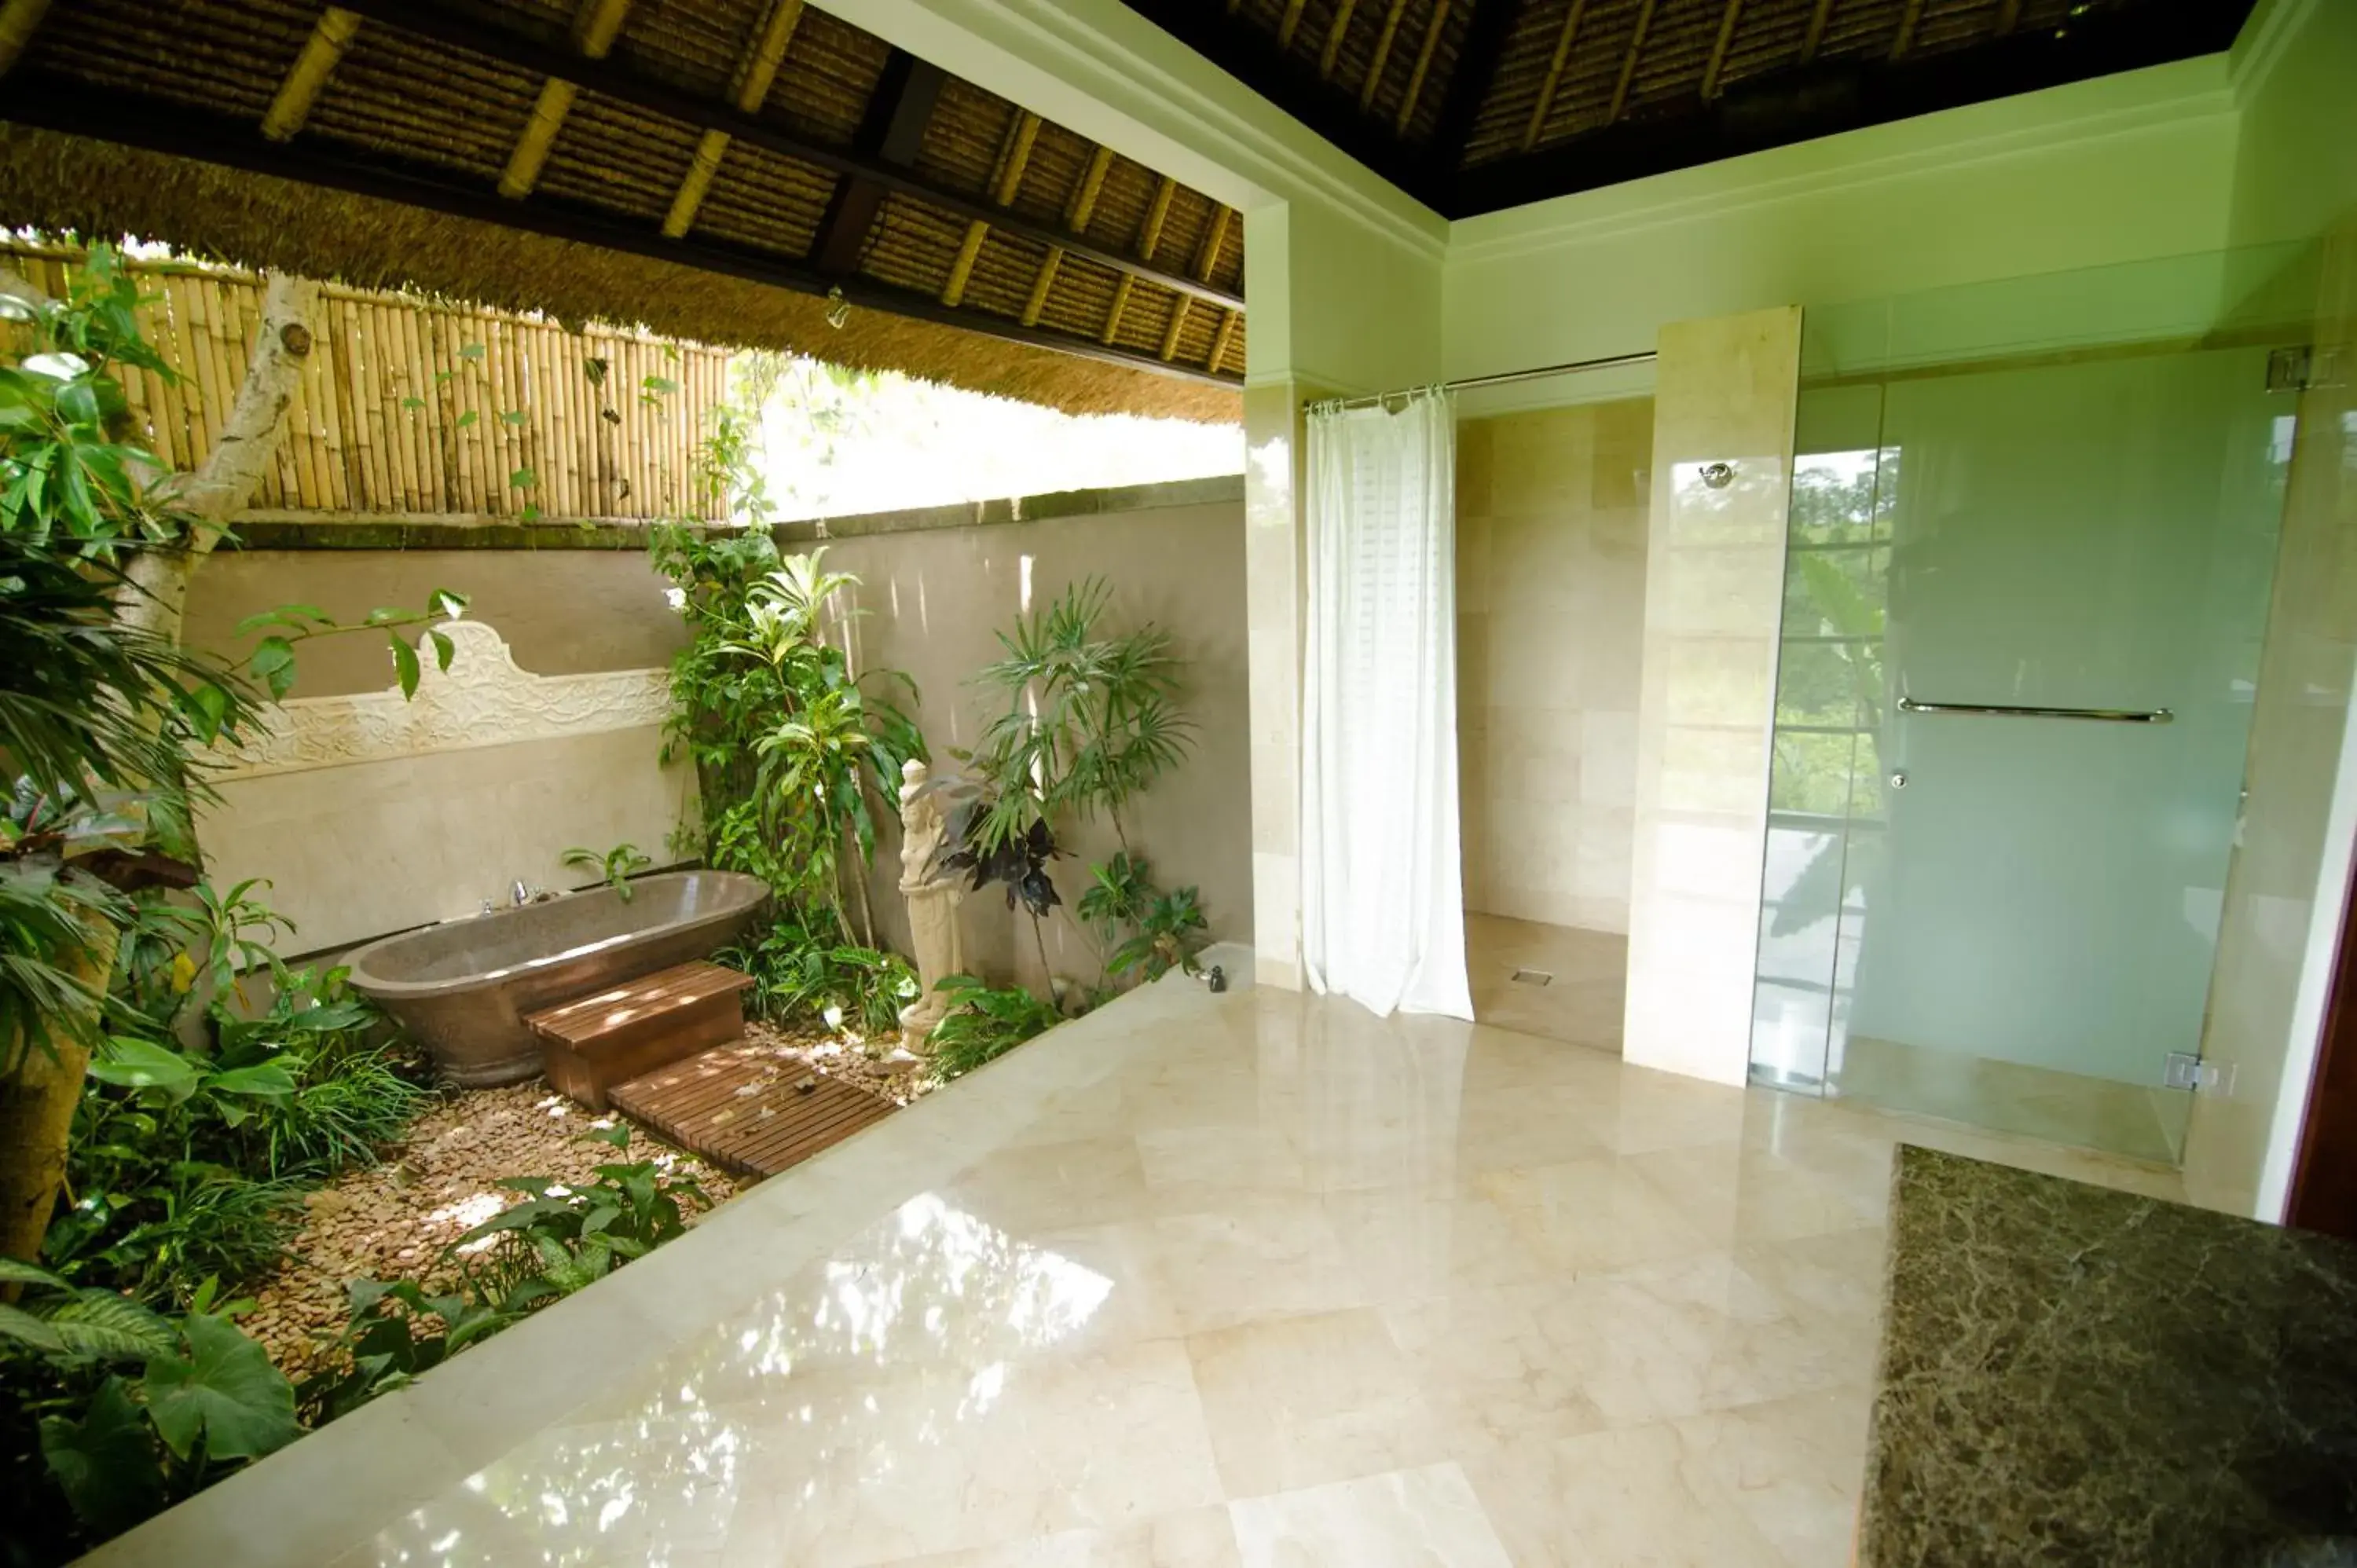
<point>1532,977</point>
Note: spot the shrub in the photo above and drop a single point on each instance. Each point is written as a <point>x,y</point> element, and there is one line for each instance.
<point>985,1023</point>
<point>119,1445</point>
<point>798,976</point>
<point>560,1240</point>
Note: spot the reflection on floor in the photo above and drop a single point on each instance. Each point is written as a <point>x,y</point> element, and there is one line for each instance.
<point>1581,998</point>
<point>2141,1122</point>
<point>1200,1282</point>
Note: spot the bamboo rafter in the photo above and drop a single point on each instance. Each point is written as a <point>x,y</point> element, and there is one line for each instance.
<point>595,27</point>
<point>1629,62</point>
<point>2009,16</point>
<point>1292,20</point>
<point>1334,31</point>
<point>18,20</point>
<point>1013,154</point>
<point>1908,21</point>
<point>1382,53</point>
<point>1207,256</point>
<point>322,52</point>
<point>1423,66</point>
<point>757,73</point>
<point>1726,21</point>
<point>1150,234</point>
<point>1553,80</point>
<point>1815,37</point>
<point>1077,213</point>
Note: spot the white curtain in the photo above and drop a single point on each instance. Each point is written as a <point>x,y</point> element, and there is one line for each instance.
<point>1383,910</point>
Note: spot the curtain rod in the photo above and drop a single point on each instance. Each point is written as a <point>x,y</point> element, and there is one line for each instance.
<point>1570,367</point>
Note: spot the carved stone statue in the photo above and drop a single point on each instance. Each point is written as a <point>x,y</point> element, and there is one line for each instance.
<point>933,896</point>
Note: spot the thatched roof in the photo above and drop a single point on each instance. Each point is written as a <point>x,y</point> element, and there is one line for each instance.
<point>714,170</point>
<point>1474,104</point>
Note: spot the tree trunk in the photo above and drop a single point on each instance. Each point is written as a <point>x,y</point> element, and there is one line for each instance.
<point>39,1091</point>
<point>37,1098</point>
<point>157,597</point>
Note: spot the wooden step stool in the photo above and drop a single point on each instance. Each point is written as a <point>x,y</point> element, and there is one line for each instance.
<point>592,1043</point>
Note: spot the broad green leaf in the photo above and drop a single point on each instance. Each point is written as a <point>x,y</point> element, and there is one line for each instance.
<point>128,1062</point>
<point>470,351</point>
<point>412,404</point>
<point>524,478</point>
<point>443,649</point>
<point>405,665</point>
<point>273,664</point>
<point>207,705</point>
<point>106,1463</point>
<point>468,418</point>
<point>225,1395</point>
<point>447,603</point>
<point>265,1080</point>
<point>16,1272</point>
<point>18,1324</point>
<point>100,1323</point>
<point>516,416</point>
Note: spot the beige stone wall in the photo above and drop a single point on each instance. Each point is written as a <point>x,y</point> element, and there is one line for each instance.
<point>1550,626</point>
<point>564,612</point>
<point>1724,398</point>
<point>934,602</point>
<point>933,598</point>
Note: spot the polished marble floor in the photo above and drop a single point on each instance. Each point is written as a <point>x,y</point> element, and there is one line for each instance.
<point>1203,1281</point>
<point>1581,995</point>
<point>2142,1121</point>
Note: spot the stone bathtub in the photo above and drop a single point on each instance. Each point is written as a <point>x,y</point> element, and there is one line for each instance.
<point>464,987</point>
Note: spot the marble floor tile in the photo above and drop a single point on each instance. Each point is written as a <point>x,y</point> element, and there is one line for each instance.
<point>1265,1257</point>
<point>1426,1517</point>
<point>1200,1282</point>
<point>1628,1497</point>
<point>1301,1401</point>
<point>1198,1538</point>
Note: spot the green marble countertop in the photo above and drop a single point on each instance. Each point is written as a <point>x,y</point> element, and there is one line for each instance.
<point>2072,1375</point>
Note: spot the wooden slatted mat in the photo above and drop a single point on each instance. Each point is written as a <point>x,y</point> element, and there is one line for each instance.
<point>738,1106</point>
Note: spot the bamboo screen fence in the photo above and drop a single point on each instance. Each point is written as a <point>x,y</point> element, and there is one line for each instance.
<point>410,406</point>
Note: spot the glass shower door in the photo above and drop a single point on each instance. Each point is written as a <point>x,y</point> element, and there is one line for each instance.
<point>2009,920</point>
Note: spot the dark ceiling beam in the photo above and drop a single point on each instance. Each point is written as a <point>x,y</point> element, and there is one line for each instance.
<point>73,109</point>
<point>1297,87</point>
<point>892,129</point>
<point>1801,104</point>
<point>1492,23</point>
<point>619,82</point>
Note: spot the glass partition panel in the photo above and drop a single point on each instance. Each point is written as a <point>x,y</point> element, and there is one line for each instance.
<point>2009,918</point>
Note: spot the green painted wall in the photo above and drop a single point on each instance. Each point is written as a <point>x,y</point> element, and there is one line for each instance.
<point>2118,169</point>
<point>2296,169</point>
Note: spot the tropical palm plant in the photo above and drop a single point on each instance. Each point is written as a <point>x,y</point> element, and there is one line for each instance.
<point>1091,720</point>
